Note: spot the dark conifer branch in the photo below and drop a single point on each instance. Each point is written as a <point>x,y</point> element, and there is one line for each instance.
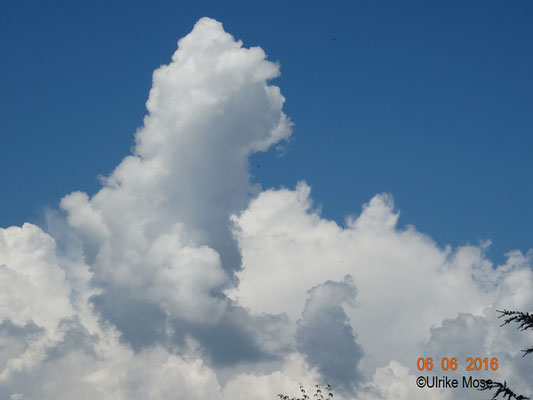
<point>502,389</point>
<point>525,322</point>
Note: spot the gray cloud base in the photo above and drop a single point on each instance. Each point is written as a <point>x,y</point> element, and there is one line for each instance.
<point>326,337</point>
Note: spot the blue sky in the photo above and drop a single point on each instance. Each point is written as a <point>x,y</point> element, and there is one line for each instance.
<point>203,227</point>
<point>429,101</point>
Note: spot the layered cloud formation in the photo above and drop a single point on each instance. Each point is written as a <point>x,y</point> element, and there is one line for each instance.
<point>180,279</point>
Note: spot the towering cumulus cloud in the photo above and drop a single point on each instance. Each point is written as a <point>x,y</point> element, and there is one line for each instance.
<point>180,279</point>
<point>157,234</point>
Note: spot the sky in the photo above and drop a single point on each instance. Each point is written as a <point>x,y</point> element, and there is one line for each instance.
<point>292,193</point>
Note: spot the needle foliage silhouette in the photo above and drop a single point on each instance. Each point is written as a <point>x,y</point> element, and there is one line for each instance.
<point>525,322</point>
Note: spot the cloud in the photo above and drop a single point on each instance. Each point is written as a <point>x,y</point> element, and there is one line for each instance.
<point>406,283</point>
<point>28,265</point>
<point>460,335</point>
<point>143,262</point>
<point>209,109</point>
<point>181,279</point>
<point>34,298</point>
<point>394,382</point>
<point>325,335</point>
<point>157,235</point>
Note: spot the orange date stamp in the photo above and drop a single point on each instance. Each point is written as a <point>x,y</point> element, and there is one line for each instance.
<point>450,364</point>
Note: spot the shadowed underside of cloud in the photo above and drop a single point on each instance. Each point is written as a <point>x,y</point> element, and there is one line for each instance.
<point>326,337</point>
<point>180,279</point>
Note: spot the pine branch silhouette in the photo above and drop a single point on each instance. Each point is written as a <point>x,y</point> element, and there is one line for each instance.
<point>525,322</point>
<point>501,388</point>
<point>319,395</point>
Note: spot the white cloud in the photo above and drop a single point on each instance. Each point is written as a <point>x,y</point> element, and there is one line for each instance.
<point>406,284</point>
<point>394,382</point>
<point>28,265</point>
<point>157,227</point>
<point>34,297</point>
<point>132,304</point>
